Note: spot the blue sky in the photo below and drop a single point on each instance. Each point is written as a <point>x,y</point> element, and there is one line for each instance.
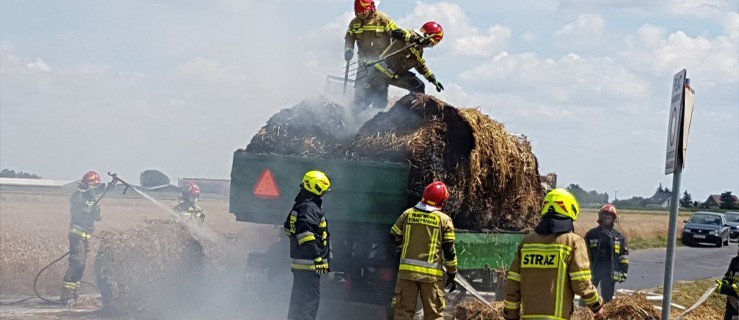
<point>179,85</point>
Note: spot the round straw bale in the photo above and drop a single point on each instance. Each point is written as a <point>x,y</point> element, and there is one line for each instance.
<point>138,267</point>
<point>493,175</point>
<point>313,128</point>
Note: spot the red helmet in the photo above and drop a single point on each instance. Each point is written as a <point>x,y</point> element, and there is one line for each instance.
<point>190,189</point>
<point>91,179</point>
<point>608,208</point>
<point>364,6</point>
<point>435,195</point>
<point>434,30</point>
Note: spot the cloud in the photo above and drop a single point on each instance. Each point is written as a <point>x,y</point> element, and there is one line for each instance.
<point>468,41</point>
<point>38,65</point>
<point>570,78</point>
<point>708,9</point>
<point>586,31</point>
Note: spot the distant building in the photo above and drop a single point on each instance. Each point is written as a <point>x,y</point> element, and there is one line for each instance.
<point>660,198</point>
<point>714,201</point>
<point>210,186</point>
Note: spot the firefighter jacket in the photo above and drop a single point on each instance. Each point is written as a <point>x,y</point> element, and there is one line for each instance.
<point>404,55</point>
<point>423,235</point>
<point>190,212</point>
<point>84,213</point>
<point>732,277</point>
<point>307,228</point>
<point>607,248</point>
<point>546,273</point>
<point>372,35</point>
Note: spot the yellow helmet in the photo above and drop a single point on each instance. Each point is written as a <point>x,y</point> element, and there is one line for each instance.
<point>316,182</point>
<point>560,201</point>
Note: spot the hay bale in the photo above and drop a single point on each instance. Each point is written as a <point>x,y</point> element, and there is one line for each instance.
<point>476,310</point>
<point>313,128</point>
<point>493,175</point>
<point>154,261</point>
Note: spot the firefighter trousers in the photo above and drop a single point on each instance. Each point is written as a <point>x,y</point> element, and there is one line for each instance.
<point>432,299</point>
<point>373,89</point>
<point>78,251</point>
<point>604,277</point>
<point>305,296</point>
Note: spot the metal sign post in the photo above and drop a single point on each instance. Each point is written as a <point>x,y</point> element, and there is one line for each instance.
<point>677,139</point>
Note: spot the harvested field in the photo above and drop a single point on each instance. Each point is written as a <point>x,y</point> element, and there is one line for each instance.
<point>633,224</point>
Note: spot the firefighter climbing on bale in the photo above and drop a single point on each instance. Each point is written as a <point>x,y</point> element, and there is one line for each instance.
<point>370,30</point>
<point>188,209</point>
<point>307,228</point>
<point>393,67</point>
<point>608,251</point>
<point>85,211</point>
<point>425,235</point>
<point>551,266</point>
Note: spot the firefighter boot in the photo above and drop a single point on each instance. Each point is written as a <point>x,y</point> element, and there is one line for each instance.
<point>76,291</point>
<point>67,294</point>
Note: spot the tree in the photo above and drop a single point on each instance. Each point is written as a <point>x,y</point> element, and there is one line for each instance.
<point>153,178</point>
<point>686,201</point>
<point>727,201</point>
<point>6,173</point>
<point>591,197</point>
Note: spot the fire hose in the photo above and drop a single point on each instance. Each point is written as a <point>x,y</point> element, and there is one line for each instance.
<point>110,186</point>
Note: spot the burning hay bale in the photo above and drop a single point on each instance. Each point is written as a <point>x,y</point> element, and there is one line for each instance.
<point>157,260</point>
<point>493,175</point>
<point>315,128</point>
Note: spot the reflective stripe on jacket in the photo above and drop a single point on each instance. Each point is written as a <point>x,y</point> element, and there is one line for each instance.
<point>307,228</point>
<point>423,233</point>
<point>546,273</point>
<point>371,35</point>
<point>405,60</point>
<point>190,212</point>
<point>608,248</point>
<point>84,212</point>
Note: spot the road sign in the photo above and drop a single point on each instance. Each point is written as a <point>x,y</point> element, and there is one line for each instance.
<point>266,186</point>
<point>672,159</point>
<point>689,104</point>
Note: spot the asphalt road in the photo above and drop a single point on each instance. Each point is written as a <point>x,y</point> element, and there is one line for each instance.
<point>647,267</point>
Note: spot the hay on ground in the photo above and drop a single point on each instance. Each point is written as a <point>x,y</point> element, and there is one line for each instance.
<point>134,267</point>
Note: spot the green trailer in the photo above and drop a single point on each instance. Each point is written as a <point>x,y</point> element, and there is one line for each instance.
<point>365,200</point>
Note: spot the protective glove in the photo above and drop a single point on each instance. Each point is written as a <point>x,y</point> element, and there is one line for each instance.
<point>437,84</point>
<point>725,287</point>
<point>398,34</point>
<point>321,266</point>
<point>450,281</point>
<point>348,54</point>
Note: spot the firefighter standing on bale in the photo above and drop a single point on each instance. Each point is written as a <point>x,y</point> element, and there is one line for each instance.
<point>729,286</point>
<point>608,251</point>
<point>393,68</point>
<point>85,212</point>
<point>551,266</point>
<point>188,209</point>
<point>307,228</point>
<point>426,237</point>
<point>370,30</point>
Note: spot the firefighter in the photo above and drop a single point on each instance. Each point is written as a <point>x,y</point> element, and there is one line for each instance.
<point>85,211</point>
<point>608,251</point>
<point>370,30</point>
<point>729,286</point>
<point>425,235</point>
<point>551,266</point>
<point>188,209</point>
<point>307,228</point>
<point>396,61</point>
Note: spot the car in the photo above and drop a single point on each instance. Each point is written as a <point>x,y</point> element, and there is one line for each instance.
<point>732,218</point>
<point>708,227</point>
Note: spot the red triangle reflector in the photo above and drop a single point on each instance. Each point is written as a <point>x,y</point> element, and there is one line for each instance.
<point>267,186</point>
